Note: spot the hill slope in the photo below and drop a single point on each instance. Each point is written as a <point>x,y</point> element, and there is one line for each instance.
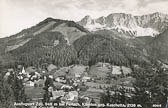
<point>159,47</point>
<point>50,47</point>
<point>32,45</point>
<point>95,48</point>
<point>64,42</point>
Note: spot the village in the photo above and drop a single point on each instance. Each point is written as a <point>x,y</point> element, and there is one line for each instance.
<point>72,84</point>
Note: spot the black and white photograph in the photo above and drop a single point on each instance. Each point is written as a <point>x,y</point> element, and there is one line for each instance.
<point>83,53</point>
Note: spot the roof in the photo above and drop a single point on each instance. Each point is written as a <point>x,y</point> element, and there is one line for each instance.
<point>71,95</point>
<point>74,93</point>
<point>78,69</point>
<point>57,85</point>
<point>57,94</point>
<point>60,72</point>
<point>30,69</point>
<point>40,81</point>
<point>10,69</point>
<point>51,67</point>
<point>66,86</point>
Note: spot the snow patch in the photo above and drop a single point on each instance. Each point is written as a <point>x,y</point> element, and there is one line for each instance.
<point>96,26</point>
<point>136,31</point>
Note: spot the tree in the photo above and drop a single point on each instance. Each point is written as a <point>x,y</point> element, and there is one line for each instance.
<point>106,98</point>
<point>151,85</point>
<point>92,102</point>
<point>6,93</point>
<point>48,83</point>
<point>17,87</point>
<point>109,77</point>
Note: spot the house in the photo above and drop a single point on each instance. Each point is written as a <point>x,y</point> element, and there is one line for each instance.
<point>7,74</point>
<point>43,71</point>
<point>86,78</point>
<point>56,42</point>
<point>66,87</point>
<point>77,70</point>
<point>57,85</point>
<point>77,76</point>
<point>118,70</point>
<point>60,79</point>
<point>10,70</point>
<point>56,94</point>
<point>30,69</point>
<point>34,76</point>
<point>71,95</point>
<point>61,72</point>
<point>23,71</point>
<point>50,76</point>
<point>67,40</point>
<point>40,83</point>
<point>19,66</point>
<point>26,79</point>
<point>29,84</point>
<point>37,74</point>
<point>51,67</point>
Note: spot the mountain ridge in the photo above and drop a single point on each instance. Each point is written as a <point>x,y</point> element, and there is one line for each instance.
<point>144,25</point>
<point>63,42</point>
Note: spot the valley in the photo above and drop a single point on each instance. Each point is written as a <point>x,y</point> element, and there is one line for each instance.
<point>120,58</point>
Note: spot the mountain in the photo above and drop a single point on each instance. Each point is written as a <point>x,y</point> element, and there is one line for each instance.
<point>43,42</point>
<point>63,42</point>
<point>107,47</point>
<point>145,25</point>
<point>70,30</point>
<point>50,47</point>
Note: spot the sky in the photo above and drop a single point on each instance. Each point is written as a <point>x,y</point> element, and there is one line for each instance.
<point>16,15</point>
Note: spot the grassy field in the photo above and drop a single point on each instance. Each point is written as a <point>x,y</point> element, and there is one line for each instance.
<point>34,92</point>
<point>93,93</point>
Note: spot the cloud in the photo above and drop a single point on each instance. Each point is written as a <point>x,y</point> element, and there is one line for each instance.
<point>145,3</point>
<point>20,14</point>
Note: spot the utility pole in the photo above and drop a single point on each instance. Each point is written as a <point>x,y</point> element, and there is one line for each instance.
<point>110,57</point>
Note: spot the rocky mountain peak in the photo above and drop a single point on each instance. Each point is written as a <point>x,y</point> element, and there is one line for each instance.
<point>86,20</point>
<point>159,14</point>
<point>101,20</point>
<point>119,15</point>
<point>145,25</point>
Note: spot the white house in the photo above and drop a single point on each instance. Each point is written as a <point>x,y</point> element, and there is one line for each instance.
<point>23,71</point>
<point>86,78</point>
<point>66,86</point>
<point>7,74</point>
<point>29,84</point>
<point>72,95</point>
<point>50,76</point>
<point>58,79</point>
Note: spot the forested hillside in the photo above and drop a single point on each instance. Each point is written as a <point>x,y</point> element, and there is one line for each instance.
<point>94,48</point>
<point>46,47</point>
